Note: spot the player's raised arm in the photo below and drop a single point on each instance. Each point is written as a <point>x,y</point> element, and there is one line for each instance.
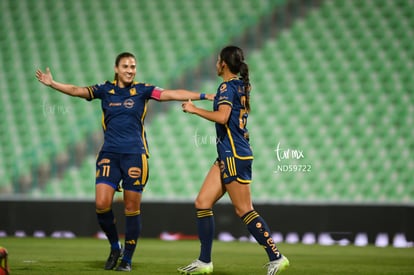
<point>183,95</point>
<point>46,78</point>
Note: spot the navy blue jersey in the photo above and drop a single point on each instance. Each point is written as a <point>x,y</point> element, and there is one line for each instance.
<point>233,136</point>
<point>124,111</point>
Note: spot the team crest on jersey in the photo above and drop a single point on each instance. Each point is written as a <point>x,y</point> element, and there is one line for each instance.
<point>129,103</point>
<point>132,92</point>
<point>223,87</point>
<point>112,92</point>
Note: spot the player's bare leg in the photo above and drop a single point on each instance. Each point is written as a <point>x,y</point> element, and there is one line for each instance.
<point>211,190</point>
<point>104,195</point>
<point>240,196</point>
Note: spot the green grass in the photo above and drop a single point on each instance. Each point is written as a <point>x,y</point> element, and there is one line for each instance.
<point>87,256</point>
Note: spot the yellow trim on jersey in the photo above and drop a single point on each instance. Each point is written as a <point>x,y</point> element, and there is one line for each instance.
<point>144,141</point>
<point>103,122</point>
<point>233,148</point>
<point>91,95</point>
<point>244,181</point>
<point>225,101</point>
<point>144,175</point>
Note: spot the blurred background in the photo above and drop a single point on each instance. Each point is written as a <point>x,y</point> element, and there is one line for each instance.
<point>332,100</point>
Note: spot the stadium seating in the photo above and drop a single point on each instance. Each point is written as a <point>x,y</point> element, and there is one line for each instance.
<point>73,38</point>
<point>336,85</point>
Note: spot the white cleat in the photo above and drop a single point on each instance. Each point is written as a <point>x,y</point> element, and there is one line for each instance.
<point>196,268</point>
<point>277,266</point>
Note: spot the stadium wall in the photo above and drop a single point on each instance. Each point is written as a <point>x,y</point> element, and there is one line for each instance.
<point>74,218</point>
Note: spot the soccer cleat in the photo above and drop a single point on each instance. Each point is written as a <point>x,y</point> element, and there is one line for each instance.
<point>124,266</point>
<point>277,266</point>
<point>113,258</point>
<point>196,268</point>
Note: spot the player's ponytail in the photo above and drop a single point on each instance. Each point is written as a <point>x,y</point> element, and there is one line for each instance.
<point>244,75</point>
<point>234,58</point>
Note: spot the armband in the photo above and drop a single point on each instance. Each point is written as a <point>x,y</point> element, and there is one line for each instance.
<point>202,96</point>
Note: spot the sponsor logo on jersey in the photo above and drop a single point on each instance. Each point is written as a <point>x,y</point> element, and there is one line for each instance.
<point>114,104</point>
<point>129,103</point>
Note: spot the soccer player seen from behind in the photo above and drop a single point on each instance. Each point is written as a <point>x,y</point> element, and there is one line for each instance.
<point>232,170</point>
<point>123,156</point>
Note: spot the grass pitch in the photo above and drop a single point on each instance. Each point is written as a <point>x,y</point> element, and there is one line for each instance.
<point>87,256</point>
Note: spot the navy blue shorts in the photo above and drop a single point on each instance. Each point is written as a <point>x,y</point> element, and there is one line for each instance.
<point>131,169</point>
<point>234,169</point>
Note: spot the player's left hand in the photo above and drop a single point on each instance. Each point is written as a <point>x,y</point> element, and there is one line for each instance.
<point>188,106</point>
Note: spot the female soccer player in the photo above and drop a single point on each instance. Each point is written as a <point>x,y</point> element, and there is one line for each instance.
<point>232,170</point>
<point>124,153</point>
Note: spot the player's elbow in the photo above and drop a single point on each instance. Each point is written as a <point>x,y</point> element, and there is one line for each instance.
<point>222,120</point>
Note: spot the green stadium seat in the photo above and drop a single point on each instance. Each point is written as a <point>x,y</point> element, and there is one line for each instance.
<point>331,83</point>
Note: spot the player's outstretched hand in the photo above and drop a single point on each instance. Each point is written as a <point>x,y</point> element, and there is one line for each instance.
<point>188,106</point>
<point>44,77</point>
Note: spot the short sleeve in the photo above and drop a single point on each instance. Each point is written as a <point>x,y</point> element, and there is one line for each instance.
<point>150,91</point>
<point>95,91</point>
<point>225,94</point>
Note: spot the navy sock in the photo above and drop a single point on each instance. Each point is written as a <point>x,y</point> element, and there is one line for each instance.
<point>261,232</point>
<point>133,227</point>
<point>205,226</point>
<point>107,223</point>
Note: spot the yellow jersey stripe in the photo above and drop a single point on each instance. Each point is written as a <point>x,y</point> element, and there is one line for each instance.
<point>144,169</point>
<point>233,148</point>
<point>103,122</point>
<point>225,101</point>
<point>243,181</point>
<point>91,96</point>
<point>144,141</point>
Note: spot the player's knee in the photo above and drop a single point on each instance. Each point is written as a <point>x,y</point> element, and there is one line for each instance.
<point>102,205</point>
<point>131,208</point>
<point>241,211</point>
<point>201,204</point>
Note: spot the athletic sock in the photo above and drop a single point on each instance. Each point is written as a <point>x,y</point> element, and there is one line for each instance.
<point>261,232</point>
<point>132,231</point>
<point>107,223</point>
<point>205,227</point>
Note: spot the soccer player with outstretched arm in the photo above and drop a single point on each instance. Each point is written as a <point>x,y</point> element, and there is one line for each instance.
<point>232,170</point>
<point>124,153</point>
